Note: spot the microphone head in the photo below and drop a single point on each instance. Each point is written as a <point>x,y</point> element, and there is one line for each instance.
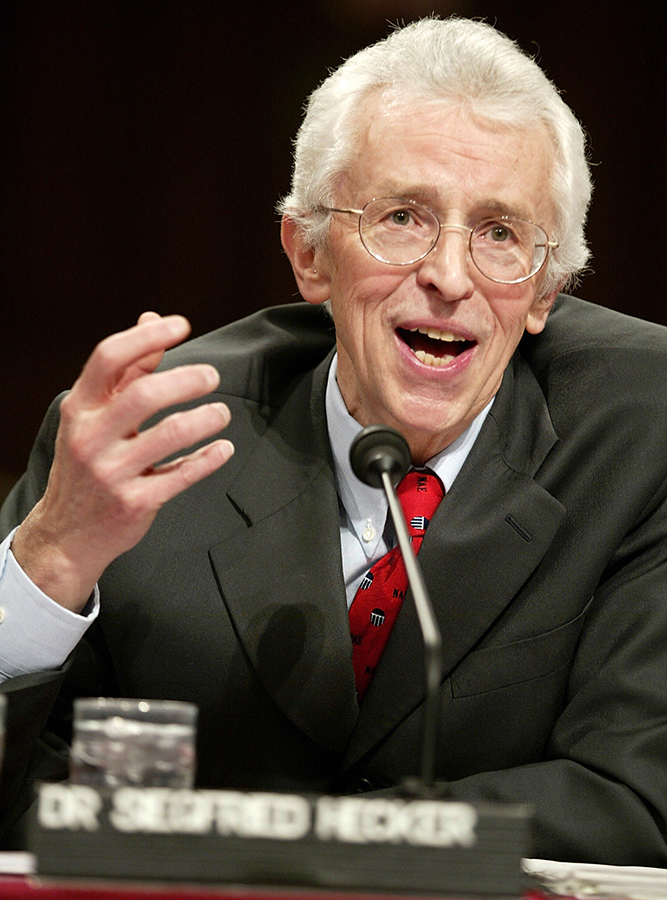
<point>377,449</point>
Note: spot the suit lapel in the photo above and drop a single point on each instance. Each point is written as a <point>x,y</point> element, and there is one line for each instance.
<point>484,541</point>
<point>280,573</point>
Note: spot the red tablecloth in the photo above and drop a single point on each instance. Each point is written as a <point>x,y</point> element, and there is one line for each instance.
<point>30,888</point>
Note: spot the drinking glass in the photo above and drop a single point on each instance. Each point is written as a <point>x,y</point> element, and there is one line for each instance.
<point>147,743</point>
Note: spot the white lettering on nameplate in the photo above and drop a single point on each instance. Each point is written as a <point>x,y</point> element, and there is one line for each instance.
<point>285,817</point>
<point>74,806</point>
<point>425,823</point>
<point>277,816</point>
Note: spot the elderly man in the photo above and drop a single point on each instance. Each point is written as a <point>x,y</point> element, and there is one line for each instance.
<point>438,199</point>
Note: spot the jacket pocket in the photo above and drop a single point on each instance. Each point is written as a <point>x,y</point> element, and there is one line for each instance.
<point>499,667</point>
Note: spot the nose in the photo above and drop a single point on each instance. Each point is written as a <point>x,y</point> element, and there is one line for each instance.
<point>448,266</point>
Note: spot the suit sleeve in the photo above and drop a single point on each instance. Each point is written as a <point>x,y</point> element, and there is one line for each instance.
<point>28,754</point>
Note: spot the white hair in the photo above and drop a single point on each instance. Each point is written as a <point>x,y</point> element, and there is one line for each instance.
<point>452,60</point>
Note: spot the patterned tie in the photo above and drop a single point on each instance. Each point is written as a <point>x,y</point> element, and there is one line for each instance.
<point>380,595</point>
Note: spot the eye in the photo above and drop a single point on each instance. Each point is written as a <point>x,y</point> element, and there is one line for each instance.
<point>411,218</point>
<point>402,217</point>
<point>396,223</point>
<point>499,233</point>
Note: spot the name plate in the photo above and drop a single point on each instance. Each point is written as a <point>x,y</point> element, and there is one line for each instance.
<point>358,842</point>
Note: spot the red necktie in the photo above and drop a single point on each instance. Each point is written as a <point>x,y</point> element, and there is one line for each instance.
<point>380,595</point>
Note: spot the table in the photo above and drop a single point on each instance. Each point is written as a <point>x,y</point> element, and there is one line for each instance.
<point>30,888</point>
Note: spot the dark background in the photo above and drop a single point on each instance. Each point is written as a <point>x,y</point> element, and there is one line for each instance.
<point>144,145</point>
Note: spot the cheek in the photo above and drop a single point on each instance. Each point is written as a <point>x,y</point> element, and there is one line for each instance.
<point>512,309</point>
<point>364,293</point>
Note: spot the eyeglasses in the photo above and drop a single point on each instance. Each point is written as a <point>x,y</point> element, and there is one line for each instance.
<point>400,232</point>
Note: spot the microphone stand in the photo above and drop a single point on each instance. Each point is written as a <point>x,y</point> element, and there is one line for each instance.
<point>380,457</point>
<point>430,633</point>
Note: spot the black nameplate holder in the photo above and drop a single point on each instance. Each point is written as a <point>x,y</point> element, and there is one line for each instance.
<point>381,844</point>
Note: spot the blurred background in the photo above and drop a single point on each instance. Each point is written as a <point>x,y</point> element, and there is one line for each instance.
<point>144,144</point>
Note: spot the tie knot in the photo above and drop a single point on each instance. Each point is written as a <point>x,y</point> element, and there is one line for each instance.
<point>419,492</point>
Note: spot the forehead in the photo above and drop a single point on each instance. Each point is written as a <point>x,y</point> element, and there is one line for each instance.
<point>443,155</point>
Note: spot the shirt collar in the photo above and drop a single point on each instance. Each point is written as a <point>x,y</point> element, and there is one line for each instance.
<point>360,501</point>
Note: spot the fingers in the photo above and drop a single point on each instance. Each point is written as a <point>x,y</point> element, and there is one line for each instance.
<point>103,440</point>
<point>148,316</point>
<point>146,396</point>
<point>108,478</point>
<point>175,476</point>
<point>118,389</point>
<point>115,356</point>
<point>138,453</point>
<point>152,361</point>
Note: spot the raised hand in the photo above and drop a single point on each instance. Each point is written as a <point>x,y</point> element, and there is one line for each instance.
<point>107,481</point>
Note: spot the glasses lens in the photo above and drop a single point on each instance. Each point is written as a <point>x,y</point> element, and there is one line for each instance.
<point>508,250</point>
<point>397,231</point>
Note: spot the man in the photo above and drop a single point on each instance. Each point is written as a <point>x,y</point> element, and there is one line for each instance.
<point>437,208</point>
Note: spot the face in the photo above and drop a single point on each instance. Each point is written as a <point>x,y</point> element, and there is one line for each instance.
<point>423,347</point>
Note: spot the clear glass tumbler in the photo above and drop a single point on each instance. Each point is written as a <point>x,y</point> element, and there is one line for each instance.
<point>147,743</point>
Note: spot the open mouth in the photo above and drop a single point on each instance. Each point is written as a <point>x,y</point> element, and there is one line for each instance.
<point>434,347</point>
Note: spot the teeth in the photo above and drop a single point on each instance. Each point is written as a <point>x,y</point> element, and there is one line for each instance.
<point>429,360</point>
<point>437,335</point>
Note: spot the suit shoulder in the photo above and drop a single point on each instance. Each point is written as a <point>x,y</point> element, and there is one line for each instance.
<point>592,337</point>
<point>259,353</point>
<point>599,366</point>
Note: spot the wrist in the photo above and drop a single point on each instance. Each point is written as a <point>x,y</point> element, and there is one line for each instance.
<point>56,570</point>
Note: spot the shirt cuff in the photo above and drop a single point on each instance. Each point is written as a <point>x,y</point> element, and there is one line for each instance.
<point>36,633</point>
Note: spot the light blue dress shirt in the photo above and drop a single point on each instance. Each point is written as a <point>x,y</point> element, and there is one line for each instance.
<point>365,534</point>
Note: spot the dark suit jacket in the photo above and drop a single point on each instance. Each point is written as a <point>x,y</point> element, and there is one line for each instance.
<point>546,562</point>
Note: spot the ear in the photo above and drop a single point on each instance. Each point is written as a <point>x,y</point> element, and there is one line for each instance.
<point>309,266</point>
<point>539,313</point>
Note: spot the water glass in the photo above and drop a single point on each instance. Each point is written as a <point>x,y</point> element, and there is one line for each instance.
<point>147,743</point>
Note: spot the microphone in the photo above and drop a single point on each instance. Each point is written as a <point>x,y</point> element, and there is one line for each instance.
<point>378,449</point>
<point>380,457</point>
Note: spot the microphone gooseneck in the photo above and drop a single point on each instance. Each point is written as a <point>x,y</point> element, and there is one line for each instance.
<point>380,457</point>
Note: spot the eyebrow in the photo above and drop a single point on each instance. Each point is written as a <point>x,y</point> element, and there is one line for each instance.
<point>418,193</point>
<point>505,209</point>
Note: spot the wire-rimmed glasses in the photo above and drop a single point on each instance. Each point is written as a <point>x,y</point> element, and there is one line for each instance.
<point>400,232</point>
